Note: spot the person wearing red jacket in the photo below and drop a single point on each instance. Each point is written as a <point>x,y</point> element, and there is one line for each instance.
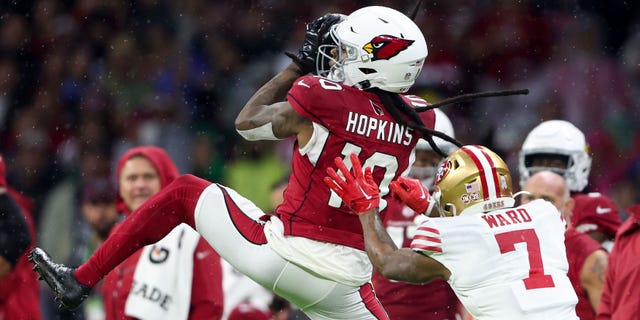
<point>142,172</point>
<point>19,287</point>
<point>621,295</point>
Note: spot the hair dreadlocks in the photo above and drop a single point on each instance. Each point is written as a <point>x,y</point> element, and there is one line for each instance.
<point>406,115</point>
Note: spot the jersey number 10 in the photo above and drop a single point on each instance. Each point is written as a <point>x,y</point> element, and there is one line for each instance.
<point>382,160</point>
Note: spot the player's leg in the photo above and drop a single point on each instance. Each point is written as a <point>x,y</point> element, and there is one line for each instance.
<point>151,222</point>
<point>173,205</point>
<point>230,224</point>
<point>320,298</point>
<point>239,238</point>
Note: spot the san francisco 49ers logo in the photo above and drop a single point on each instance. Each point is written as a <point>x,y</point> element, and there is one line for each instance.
<point>442,172</point>
<point>386,46</point>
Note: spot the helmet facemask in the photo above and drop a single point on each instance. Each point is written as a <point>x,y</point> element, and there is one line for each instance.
<point>554,162</point>
<point>330,66</point>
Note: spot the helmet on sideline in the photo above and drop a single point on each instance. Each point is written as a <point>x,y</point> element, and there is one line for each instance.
<point>427,160</point>
<point>473,179</point>
<point>443,124</point>
<point>378,47</point>
<point>561,140</point>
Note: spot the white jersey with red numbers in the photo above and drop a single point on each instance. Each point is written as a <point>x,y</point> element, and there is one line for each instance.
<point>505,264</point>
<point>346,120</point>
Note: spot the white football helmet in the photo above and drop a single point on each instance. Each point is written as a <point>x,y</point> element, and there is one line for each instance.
<point>426,173</point>
<point>443,124</point>
<point>380,47</point>
<point>557,138</point>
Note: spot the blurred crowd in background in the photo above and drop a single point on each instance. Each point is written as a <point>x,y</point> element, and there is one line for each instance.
<point>81,81</point>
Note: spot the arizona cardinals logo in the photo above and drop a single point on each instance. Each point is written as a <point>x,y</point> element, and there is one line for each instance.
<point>377,109</point>
<point>386,46</point>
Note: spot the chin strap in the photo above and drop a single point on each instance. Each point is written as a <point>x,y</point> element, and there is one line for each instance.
<point>519,193</point>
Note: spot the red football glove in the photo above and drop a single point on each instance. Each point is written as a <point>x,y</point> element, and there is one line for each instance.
<point>360,193</point>
<point>413,194</point>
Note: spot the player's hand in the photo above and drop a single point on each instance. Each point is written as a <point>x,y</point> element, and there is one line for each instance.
<point>413,194</point>
<point>316,32</point>
<point>360,193</point>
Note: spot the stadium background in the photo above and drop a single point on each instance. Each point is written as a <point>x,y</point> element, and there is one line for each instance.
<point>82,81</point>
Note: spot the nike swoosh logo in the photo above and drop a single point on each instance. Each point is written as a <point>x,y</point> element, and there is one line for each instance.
<point>422,196</point>
<point>366,196</point>
<point>601,210</point>
<point>301,83</point>
<point>203,254</point>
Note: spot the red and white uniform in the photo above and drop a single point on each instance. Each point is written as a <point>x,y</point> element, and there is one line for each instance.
<point>346,120</point>
<point>434,300</point>
<point>505,264</point>
<point>312,227</point>
<point>620,296</point>
<point>579,247</point>
<point>311,252</point>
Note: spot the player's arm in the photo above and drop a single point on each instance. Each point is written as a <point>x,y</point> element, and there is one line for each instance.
<point>398,264</point>
<point>361,194</point>
<point>267,115</point>
<point>592,276</point>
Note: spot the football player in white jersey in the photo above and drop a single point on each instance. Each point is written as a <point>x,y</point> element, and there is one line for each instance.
<point>503,262</point>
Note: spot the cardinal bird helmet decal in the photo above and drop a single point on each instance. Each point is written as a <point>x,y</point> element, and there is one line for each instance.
<point>386,46</point>
<point>376,47</point>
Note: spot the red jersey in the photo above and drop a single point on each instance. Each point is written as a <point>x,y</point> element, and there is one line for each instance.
<point>20,289</point>
<point>595,212</point>
<point>620,296</point>
<point>579,246</point>
<point>434,300</point>
<point>346,120</point>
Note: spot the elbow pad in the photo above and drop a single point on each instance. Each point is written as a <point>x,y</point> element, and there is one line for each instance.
<point>263,132</point>
<point>14,231</point>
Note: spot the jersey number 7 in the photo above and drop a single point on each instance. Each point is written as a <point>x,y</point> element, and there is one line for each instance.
<point>537,279</point>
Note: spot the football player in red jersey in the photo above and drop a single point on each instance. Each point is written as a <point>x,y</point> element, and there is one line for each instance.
<point>560,147</point>
<point>311,250</point>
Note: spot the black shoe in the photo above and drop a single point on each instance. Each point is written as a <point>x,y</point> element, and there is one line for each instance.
<point>68,291</point>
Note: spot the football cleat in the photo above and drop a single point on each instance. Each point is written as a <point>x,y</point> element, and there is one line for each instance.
<point>69,293</point>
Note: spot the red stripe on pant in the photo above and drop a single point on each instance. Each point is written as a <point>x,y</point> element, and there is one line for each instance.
<point>371,302</point>
<point>250,229</point>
